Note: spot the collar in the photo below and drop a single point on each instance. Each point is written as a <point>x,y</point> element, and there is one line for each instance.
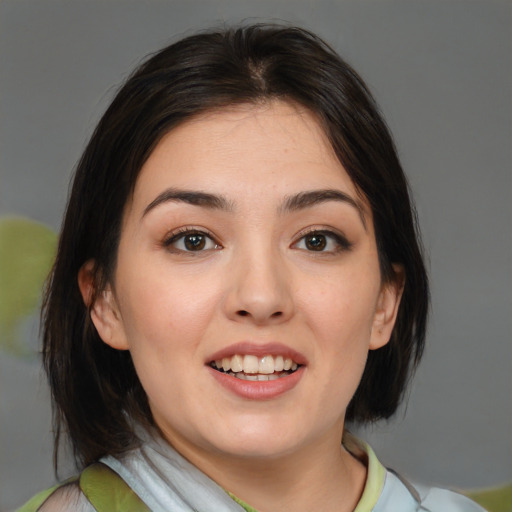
<point>375,477</point>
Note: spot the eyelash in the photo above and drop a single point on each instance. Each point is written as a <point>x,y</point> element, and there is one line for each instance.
<point>182,233</point>
<point>342,244</point>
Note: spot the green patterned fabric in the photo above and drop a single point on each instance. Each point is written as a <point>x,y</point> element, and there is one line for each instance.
<point>105,490</point>
<point>108,492</point>
<point>246,507</point>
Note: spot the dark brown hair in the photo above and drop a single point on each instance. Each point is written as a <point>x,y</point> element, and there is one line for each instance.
<point>96,393</point>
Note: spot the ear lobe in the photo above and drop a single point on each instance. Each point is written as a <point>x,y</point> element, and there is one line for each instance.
<point>387,309</point>
<point>102,308</point>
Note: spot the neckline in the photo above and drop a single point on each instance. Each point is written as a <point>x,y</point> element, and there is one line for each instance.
<point>375,478</point>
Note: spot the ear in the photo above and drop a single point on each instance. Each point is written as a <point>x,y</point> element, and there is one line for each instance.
<point>387,308</point>
<point>102,308</point>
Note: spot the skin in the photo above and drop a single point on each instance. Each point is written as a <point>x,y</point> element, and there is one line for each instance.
<point>256,280</point>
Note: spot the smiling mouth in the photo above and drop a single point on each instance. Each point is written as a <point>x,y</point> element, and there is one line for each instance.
<point>250,367</point>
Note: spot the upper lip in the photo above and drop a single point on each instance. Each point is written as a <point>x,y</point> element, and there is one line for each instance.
<point>259,350</point>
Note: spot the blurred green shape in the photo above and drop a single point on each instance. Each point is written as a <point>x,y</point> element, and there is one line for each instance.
<point>497,499</point>
<point>27,251</point>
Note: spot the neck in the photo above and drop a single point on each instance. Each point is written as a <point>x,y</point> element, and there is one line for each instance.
<point>321,476</point>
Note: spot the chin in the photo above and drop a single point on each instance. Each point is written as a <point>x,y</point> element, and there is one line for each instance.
<point>256,450</point>
<point>256,441</point>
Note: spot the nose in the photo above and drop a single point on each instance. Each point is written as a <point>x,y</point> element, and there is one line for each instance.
<point>260,289</point>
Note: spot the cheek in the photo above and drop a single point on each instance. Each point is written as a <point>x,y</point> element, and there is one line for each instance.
<point>163,310</point>
<point>341,309</point>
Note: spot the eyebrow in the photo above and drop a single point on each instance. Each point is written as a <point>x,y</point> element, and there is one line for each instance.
<point>307,199</point>
<point>295,202</point>
<point>196,198</point>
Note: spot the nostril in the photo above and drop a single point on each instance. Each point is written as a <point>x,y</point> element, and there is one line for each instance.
<point>243,312</point>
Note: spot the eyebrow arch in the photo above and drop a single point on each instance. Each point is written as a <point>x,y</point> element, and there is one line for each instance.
<point>192,197</point>
<point>307,199</point>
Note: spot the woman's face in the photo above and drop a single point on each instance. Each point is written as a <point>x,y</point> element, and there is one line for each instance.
<point>247,286</point>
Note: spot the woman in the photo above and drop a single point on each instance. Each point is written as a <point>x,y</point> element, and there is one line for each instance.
<point>238,276</point>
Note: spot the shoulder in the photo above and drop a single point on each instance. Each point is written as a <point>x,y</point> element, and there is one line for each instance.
<point>400,495</point>
<point>438,500</point>
<point>386,490</point>
<point>61,498</point>
<point>98,488</point>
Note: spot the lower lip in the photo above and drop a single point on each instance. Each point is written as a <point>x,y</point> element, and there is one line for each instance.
<point>258,390</point>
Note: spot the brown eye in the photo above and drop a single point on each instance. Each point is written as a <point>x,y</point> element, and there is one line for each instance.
<point>322,241</point>
<point>190,241</point>
<point>316,242</point>
<point>194,242</point>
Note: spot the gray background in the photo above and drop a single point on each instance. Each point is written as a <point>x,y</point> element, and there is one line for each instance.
<point>441,71</point>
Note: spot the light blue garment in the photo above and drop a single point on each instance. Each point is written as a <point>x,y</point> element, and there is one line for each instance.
<point>166,482</point>
<point>400,496</point>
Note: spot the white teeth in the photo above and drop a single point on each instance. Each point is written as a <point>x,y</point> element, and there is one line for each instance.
<point>251,364</point>
<point>258,377</point>
<point>266,365</point>
<point>237,363</point>
<point>272,376</point>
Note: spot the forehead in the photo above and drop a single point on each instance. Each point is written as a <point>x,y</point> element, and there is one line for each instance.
<point>273,147</point>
